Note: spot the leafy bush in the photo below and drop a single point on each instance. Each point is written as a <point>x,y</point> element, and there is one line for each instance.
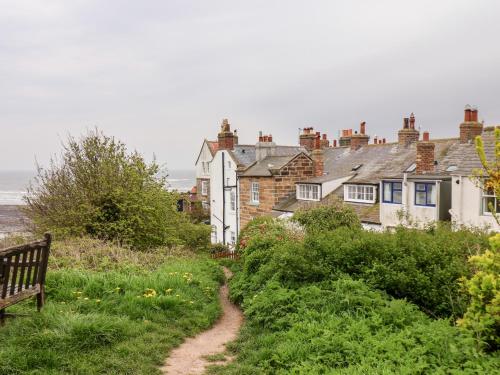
<point>99,189</point>
<point>345,327</point>
<point>327,218</point>
<point>195,236</point>
<point>218,248</point>
<point>483,313</point>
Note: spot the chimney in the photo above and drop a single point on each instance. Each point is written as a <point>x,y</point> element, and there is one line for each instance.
<point>425,155</point>
<point>359,139</point>
<point>226,138</point>
<point>375,139</point>
<point>318,158</point>
<point>325,143</point>
<point>265,147</point>
<point>307,138</point>
<point>334,143</point>
<point>471,127</point>
<point>383,140</point>
<point>408,134</point>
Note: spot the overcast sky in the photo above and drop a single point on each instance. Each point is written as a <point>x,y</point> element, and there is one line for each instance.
<point>161,75</point>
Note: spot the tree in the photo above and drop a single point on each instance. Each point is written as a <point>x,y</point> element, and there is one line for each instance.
<point>488,178</point>
<point>98,188</point>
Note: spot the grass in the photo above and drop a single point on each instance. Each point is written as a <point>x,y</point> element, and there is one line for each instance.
<point>110,311</point>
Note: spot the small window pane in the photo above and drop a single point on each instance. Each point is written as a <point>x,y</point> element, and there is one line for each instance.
<point>431,194</point>
<point>397,197</point>
<point>387,192</point>
<point>397,185</point>
<point>420,198</point>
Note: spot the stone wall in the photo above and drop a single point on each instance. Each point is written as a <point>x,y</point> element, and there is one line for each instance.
<point>272,189</point>
<point>199,194</point>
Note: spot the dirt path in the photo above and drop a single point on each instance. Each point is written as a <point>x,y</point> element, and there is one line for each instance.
<point>189,357</point>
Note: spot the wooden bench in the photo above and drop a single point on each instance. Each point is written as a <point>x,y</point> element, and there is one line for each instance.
<point>22,273</point>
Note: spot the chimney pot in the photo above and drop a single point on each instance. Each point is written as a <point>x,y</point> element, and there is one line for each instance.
<point>334,143</point>
<point>383,140</point>
<point>426,137</point>
<point>412,121</point>
<point>362,127</point>
<point>406,121</point>
<point>375,140</point>
<point>324,136</point>
<point>270,138</point>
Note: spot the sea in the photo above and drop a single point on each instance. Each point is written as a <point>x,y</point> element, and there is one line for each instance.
<point>13,184</point>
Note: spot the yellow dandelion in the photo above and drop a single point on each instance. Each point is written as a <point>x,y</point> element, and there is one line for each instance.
<point>97,301</point>
<point>86,298</point>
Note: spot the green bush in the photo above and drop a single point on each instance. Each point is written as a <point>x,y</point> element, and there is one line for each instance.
<point>195,236</point>
<point>327,218</point>
<point>483,313</point>
<point>99,189</point>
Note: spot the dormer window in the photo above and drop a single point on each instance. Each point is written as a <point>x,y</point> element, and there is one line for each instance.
<point>308,192</point>
<point>359,193</point>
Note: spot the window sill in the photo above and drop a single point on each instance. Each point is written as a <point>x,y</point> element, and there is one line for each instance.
<point>391,202</point>
<point>359,201</point>
<point>253,203</point>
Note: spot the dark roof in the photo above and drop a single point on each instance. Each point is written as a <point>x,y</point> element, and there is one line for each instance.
<point>243,154</point>
<point>282,156</point>
<point>367,213</point>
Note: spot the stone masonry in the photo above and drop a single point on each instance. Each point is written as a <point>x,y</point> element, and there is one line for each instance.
<point>272,189</point>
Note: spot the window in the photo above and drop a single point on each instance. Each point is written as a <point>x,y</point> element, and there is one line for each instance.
<point>308,192</point>
<point>232,196</point>
<point>255,192</point>
<point>489,202</point>
<point>205,205</point>
<point>359,193</point>
<point>204,187</point>
<point>425,194</point>
<point>392,192</point>
<point>233,238</point>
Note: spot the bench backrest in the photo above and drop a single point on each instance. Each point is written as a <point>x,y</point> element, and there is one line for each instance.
<point>22,271</point>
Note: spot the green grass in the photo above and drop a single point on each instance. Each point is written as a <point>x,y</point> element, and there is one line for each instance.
<point>119,315</point>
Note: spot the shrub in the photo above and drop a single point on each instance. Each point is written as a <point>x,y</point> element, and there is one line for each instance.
<point>483,313</point>
<point>100,189</point>
<point>327,218</point>
<point>195,236</point>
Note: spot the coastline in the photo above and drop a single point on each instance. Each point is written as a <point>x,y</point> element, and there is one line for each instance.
<point>12,220</point>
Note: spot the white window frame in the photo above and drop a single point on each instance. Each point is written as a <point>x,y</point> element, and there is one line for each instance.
<point>232,200</point>
<point>484,207</point>
<point>254,192</point>
<point>308,192</point>
<point>360,193</point>
<point>204,187</point>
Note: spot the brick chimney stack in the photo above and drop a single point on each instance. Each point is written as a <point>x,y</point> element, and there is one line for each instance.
<point>360,139</point>
<point>408,134</point>
<point>226,138</point>
<point>325,143</point>
<point>471,127</point>
<point>318,157</point>
<point>345,139</point>
<point>307,138</point>
<point>425,155</point>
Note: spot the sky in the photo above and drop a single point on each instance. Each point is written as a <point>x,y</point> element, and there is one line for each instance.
<point>161,75</point>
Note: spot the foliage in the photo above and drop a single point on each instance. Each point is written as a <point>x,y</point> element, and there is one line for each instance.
<point>218,248</point>
<point>120,316</point>
<point>345,327</point>
<point>488,178</point>
<point>483,313</point>
<point>198,214</point>
<point>327,218</point>
<point>99,189</point>
<point>194,236</point>
<point>424,267</point>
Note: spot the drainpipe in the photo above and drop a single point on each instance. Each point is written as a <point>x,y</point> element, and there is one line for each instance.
<point>223,200</point>
<point>404,198</point>
<point>438,202</point>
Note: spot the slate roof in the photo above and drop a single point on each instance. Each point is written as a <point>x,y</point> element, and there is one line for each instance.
<point>282,156</point>
<point>243,154</point>
<point>372,163</point>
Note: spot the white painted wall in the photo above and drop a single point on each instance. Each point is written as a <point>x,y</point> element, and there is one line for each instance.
<point>204,157</point>
<point>417,216</point>
<point>466,205</point>
<point>216,196</point>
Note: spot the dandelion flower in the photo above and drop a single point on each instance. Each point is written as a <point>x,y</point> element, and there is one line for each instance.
<point>86,298</point>
<point>97,301</point>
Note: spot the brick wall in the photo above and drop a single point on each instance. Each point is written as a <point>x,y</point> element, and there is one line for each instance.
<point>199,194</point>
<point>408,136</point>
<point>425,157</point>
<point>272,189</point>
<point>469,131</point>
